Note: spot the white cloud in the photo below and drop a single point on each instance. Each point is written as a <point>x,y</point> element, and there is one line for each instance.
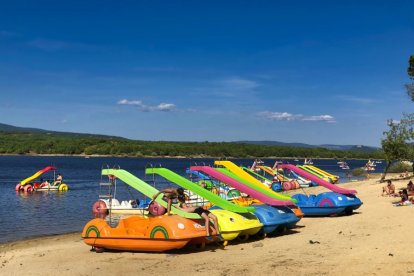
<point>127,102</point>
<point>285,116</point>
<point>325,118</point>
<point>166,107</point>
<point>278,116</point>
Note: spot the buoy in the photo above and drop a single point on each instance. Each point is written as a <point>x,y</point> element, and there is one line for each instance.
<point>99,209</point>
<point>276,186</point>
<point>286,186</point>
<point>156,209</point>
<point>28,188</point>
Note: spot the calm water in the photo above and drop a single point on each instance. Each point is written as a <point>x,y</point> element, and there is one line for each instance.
<point>50,213</point>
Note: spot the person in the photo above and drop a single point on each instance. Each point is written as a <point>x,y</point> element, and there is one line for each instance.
<point>410,187</point>
<point>389,190</point>
<point>404,195</point>
<point>405,174</point>
<point>59,179</point>
<point>205,214</point>
<point>170,195</point>
<point>134,203</point>
<point>44,183</point>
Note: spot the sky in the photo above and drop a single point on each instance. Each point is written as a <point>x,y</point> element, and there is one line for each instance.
<point>316,72</point>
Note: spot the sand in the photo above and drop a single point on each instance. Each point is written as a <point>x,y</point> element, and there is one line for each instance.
<point>377,240</point>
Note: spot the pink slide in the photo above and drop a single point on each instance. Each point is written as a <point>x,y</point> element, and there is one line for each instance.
<point>316,179</point>
<point>240,186</point>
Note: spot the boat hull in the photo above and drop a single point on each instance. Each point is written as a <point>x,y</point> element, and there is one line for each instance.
<point>139,233</point>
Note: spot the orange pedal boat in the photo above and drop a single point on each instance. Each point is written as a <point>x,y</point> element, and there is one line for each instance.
<point>142,233</point>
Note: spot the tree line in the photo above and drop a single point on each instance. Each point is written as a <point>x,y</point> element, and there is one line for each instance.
<point>51,143</point>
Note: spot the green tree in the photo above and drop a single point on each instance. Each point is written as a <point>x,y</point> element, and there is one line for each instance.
<point>410,71</point>
<point>397,143</point>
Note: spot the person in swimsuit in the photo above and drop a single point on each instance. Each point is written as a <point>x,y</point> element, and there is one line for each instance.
<point>170,195</point>
<point>389,190</point>
<point>410,188</point>
<point>205,214</point>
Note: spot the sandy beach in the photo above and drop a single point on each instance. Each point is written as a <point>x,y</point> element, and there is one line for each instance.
<point>376,240</point>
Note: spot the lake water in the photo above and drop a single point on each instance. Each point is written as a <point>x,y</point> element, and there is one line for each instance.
<point>49,213</point>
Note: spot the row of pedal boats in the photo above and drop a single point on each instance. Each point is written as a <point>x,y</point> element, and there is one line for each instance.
<point>243,204</point>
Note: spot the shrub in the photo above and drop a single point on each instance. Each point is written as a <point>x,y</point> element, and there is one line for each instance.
<point>359,172</point>
<point>399,167</point>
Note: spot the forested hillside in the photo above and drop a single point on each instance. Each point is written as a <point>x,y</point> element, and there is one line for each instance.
<point>52,143</point>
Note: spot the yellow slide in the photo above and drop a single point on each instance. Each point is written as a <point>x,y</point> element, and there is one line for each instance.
<point>247,177</point>
<point>334,177</point>
<point>36,175</point>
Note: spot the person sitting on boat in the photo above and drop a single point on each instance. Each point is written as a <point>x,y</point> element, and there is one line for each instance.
<point>389,190</point>
<point>205,214</point>
<point>134,203</point>
<point>59,179</point>
<point>171,196</point>
<point>44,183</point>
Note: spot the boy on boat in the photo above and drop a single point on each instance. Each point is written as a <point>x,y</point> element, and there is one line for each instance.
<point>170,195</point>
<point>205,214</point>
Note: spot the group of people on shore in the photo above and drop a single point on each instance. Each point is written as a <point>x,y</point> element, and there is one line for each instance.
<point>404,194</point>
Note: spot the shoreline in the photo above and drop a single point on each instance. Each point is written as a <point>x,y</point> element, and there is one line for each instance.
<point>375,240</point>
<point>177,157</point>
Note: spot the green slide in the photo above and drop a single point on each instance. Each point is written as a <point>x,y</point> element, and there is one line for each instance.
<point>255,174</point>
<point>146,189</point>
<point>264,190</point>
<point>187,184</point>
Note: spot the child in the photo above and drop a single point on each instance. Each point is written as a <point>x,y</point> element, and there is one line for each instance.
<point>170,194</point>
<point>205,214</point>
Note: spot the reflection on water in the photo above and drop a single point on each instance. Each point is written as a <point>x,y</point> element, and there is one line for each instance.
<point>48,213</point>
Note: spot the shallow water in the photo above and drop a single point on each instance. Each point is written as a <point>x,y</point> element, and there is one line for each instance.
<point>49,213</point>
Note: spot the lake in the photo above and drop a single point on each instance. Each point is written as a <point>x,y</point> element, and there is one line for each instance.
<point>50,213</point>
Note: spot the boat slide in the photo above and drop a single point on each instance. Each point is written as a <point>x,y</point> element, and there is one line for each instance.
<point>239,174</point>
<point>234,220</point>
<point>334,177</point>
<point>316,179</point>
<point>258,176</point>
<point>318,174</point>
<point>241,187</point>
<point>36,175</point>
<point>302,182</point>
<point>187,184</point>
<point>145,189</point>
<point>275,216</point>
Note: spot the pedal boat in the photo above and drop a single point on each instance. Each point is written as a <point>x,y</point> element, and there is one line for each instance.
<point>143,233</point>
<point>28,186</point>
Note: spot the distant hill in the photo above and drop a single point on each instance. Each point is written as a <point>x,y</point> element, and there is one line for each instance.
<point>10,128</point>
<point>353,148</point>
<point>356,148</point>
<point>32,141</point>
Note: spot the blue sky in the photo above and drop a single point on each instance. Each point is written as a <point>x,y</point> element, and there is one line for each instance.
<point>314,72</point>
